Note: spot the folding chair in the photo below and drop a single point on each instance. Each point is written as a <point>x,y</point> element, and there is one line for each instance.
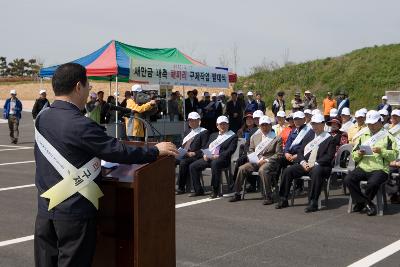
<point>337,168</point>
<point>263,189</point>
<point>380,198</point>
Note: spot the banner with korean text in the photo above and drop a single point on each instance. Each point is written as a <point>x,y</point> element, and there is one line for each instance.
<point>164,73</point>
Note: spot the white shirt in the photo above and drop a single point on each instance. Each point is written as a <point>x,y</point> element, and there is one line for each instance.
<point>12,106</point>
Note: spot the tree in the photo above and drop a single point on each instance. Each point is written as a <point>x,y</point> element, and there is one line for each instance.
<point>18,67</point>
<point>3,67</point>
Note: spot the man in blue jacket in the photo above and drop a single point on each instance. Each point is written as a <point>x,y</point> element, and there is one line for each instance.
<point>12,113</point>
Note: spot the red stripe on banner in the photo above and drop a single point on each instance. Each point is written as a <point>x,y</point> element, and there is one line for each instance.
<point>105,64</point>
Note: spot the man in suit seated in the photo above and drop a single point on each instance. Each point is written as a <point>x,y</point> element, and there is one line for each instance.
<point>220,148</point>
<point>195,139</point>
<point>314,159</point>
<point>265,153</point>
<point>373,152</point>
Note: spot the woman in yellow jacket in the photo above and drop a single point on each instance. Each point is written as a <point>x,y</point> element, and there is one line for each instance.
<point>137,129</point>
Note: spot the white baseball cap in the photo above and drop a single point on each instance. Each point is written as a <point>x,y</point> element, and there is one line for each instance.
<point>137,88</point>
<point>317,118</point>
<point>298,115</point>
<point>194,116</point>
<point>373,116</point>
<point>213,95</point>
<point>93,94</point>
<point>364,110</point>
<point>281,114</point>
<point>206,94</point>
<point>396,112</point>
<point>265,119</point>
<point>333,113</point>
<point>316,111</point>
<point>116,93</point>
<point>384,112</point>
<point>240,92</point>
<point>42,91</point>
<point>258,114</point>
<point>308,111</point>
<point>384,97</point>
<point>346,111</point>
<point>307,92</point>
<point>222,119</point>
<point>359,113</point>
<point>221,93</point>
<point>13,92</point>
<point>249,93</point>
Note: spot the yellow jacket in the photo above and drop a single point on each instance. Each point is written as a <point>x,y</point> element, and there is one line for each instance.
<point>353,130</point>
<point>137,129</point>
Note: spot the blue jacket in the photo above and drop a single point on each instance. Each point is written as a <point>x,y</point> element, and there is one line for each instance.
<point>251,106</point>
<point>18,108</point>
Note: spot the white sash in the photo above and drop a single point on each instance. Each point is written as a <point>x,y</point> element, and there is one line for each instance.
<point>346,126</point>
<point>300,136</point>
<point>341,104</point>
<point>376,138</point>
<point>385,106</point>
<point>220,139</point>
<point>359,133</point>
<point>263,144</point>
<point>395,129</point>
<point>74,180</point>
<point>192,134</point>
<point>316,142</point>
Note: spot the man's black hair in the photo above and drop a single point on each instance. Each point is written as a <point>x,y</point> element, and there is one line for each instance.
<point>100,92</point>
<point>233,93</point>
<point>66,77</point>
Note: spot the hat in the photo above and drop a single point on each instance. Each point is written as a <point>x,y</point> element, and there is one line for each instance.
<point>136,88</point>
<point>249,93</point>
<point>265,119</point>
<point>298,115</point>
<point>222,119</point>
<point>93,94</point>
<point>248,114</point>
<point>373,116</point>
<point>221,93</point>
<point>384,97</point>
<point>281,93</point>
<point>384,112</point>
<point>317,118</point>
<point>334,121</point>
<point>240,92</point>
<point>329,93</point>
<point>206,94</point>
<point>13,92</point>
<point>289,117</point>
<point>359,113</point>
<point>42,91</point>
<point>307,92</point>
<point>308,111</point>
<point>116,93</point>
<point>333,113</point>
<point>346,111</point>
<point>396,112</point>
<point>194,116</point>
<point>281,114</point>
<point>297,93</point>
<point>364,110</point>
<point>258,114</point>
<point>315,111</point>
<point>213,95</point>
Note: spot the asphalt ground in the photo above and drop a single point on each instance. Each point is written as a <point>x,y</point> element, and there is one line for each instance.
<point>215,233</point>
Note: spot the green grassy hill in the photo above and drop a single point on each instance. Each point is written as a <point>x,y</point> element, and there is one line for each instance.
<point>365,74</point>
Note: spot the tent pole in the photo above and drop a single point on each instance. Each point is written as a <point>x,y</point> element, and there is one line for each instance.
<point>116,104</point>
<point>41,83</point>
<point>184,109</point>
<point>110,85</point>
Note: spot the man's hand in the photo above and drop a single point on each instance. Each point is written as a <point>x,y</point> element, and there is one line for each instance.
<point>153,102</point>
<point>235,115</point>
<point>167,149</point>
<point>205,158</point>
<point>377,150</point>
<point>214,157</point>
<point>305,166</point>
<point>288,156</point>
<point>361,153</point>
<point>190,154</point>
<point>262,161</point>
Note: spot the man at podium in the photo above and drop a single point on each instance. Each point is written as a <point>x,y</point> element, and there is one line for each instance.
<point>68,150</point>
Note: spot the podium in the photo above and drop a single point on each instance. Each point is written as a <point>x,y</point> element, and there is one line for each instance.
<point>136,221</point>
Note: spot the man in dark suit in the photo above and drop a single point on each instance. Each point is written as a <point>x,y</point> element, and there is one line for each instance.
<point>234,112</point>
<point>251,104</point>
<point>314,159</point>
<point>196,138</point>
<point>221,146</point>
<point>260,104</point>
<point>191,103</point>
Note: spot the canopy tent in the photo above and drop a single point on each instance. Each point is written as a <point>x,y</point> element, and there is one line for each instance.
<point>113,60</point>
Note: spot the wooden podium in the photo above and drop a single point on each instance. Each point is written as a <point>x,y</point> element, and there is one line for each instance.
<point>136,222</point>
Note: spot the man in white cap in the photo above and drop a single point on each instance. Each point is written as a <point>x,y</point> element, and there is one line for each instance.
<point>265,153</point>
<point>40,103</point>
<point>373,152</point>
<point>12,112</point>
<point>251,104</point>
<point>297,103</point>
<point>385,105</point>
<point>333,113</point>
<point>220,147</point>
<point>281,120</point>
<point>345,116</point>
<point>358,128</point>
<point>314,158</point>
<point>386,118</point>
<point>310,101</point>
<point>393,187</point>
<point>134,127</point>
<point>195,139</point>
<point>308,114</point>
